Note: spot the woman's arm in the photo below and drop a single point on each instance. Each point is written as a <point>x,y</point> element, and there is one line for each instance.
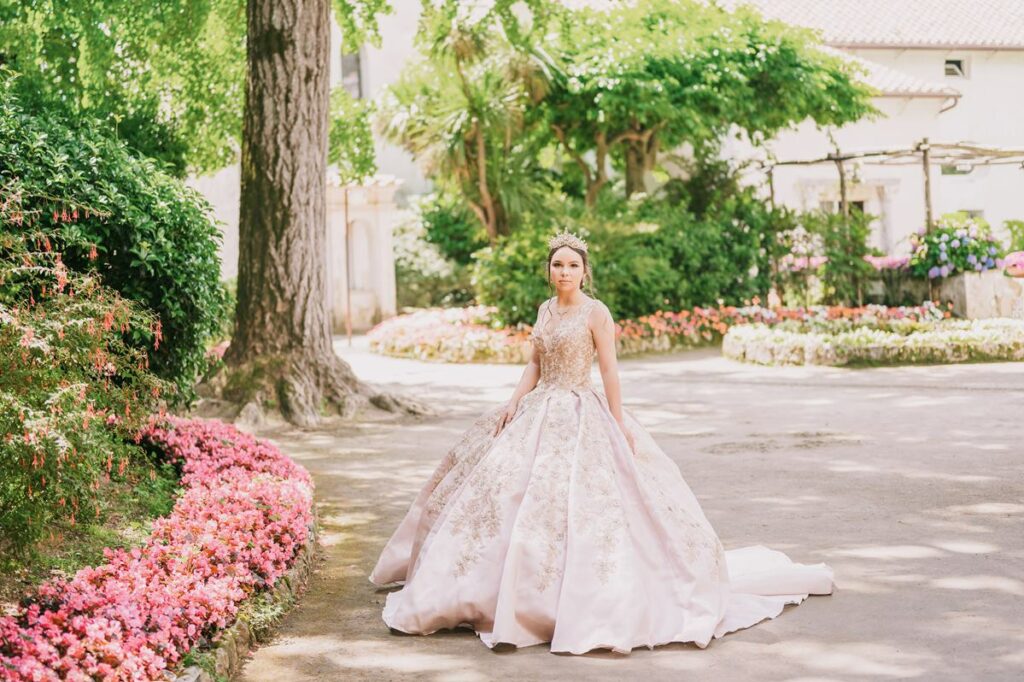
<point>527,382</point>
<point>603,328</point>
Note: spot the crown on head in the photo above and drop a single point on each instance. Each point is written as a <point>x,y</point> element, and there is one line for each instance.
<point>566,239</point>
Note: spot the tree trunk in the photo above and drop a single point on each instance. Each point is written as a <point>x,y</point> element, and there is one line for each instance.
<point>281,352</point>
<point>641,155</point>
<point>634,167</point>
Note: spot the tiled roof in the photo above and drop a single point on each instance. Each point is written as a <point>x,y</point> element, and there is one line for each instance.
<point>941,24</point>
<point>892,83</point>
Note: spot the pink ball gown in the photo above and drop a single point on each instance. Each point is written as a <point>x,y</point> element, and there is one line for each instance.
<point>554,531</point>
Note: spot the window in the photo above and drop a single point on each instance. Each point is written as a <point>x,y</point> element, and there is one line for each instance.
<point>956,68</point>
<point>833,206</point>
<point>972,213</point>
<point>351,74</point>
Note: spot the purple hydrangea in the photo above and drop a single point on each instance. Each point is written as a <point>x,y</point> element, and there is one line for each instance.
<point>933,272</point>
<point>972,259</point>
<point>955,243</point>
<point>944,270</point>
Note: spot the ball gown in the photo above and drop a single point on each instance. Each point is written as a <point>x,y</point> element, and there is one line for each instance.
<point>554,531</point>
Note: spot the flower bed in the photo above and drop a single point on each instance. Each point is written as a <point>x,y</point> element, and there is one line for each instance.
<point>450,335</point>
<point>245,510</point>
<point>897,342</point>
<point>465,335</point>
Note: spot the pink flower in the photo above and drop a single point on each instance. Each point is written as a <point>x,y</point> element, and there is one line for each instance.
<point>245,511</point>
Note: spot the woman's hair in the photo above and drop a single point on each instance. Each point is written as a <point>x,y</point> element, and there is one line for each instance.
<point>588,275</point>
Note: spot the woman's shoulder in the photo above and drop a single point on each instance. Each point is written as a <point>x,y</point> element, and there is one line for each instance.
<point>597,310</point>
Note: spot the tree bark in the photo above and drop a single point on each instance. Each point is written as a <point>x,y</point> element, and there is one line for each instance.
<point>641,155</point>
<point>281,352</point>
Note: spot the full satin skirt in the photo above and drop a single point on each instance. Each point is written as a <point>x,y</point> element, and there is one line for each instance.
<point>556,532</point>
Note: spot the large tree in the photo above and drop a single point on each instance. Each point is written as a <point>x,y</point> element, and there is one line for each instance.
<point>281,350</point>
<point>650,76</point>
<point>165,76</point>
<point>501,93</point>
<point>464,111</point>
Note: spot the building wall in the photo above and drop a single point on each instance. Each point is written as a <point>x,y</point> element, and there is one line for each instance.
<point>991,94</point>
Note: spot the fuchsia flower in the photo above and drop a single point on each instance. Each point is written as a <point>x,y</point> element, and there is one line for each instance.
<point>245,512</point>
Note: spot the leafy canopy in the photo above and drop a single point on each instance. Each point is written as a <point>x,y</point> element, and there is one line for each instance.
<point>165,76</point>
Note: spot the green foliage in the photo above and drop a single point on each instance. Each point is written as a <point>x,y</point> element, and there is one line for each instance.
<point>424,276</point>
<point>1016,230</point>
<point>358,20</point>
<point>72,390</point>
<point>154,239</point>
<point>350,140</point>
<point>449,226</point>
<point>465,124</point>
<point>649,76</point>
<point>722,256</point>
<point>165,76</point>
<point>646,256</point>
<point>844,239</point>
<point>512,275</point>
<point>502,95</point>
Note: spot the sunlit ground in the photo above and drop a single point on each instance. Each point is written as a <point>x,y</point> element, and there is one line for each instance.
<point>909,482</point>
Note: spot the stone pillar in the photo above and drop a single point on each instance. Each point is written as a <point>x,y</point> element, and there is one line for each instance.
<point>368,267</point>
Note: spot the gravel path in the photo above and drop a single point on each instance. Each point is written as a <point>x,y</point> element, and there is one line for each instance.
<point>909,482</point>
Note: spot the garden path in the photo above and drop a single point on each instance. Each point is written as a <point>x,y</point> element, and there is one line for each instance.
<point>909,482</point>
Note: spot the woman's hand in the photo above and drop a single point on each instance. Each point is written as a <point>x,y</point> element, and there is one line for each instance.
<point>506,416</point>
<point>629,438</point>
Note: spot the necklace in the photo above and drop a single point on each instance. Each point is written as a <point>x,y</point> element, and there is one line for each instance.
<point>562,313</point>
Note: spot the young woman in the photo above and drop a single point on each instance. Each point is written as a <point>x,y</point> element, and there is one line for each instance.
<point>557,518</point>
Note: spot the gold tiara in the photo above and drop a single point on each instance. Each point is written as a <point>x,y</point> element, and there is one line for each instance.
<point>566,239</point>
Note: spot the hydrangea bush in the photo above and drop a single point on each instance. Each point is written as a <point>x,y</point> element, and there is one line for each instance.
<point>957,244</point>
<point>245,511</point>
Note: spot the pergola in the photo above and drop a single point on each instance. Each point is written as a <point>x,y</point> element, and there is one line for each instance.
<point>924,153</point>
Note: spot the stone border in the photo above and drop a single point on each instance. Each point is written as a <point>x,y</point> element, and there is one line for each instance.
<point>233,643</point>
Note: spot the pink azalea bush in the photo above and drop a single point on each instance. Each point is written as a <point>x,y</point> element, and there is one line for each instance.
<point>245,512</point>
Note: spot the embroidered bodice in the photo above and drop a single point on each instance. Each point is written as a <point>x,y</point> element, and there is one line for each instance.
<point>565,347</point>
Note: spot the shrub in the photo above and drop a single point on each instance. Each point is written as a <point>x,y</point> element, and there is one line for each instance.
<point>72,391</point>
<point>646,256</point>
<point>145,233</point>
<point>512,275</point>
<point>453,229</point>
<point>424,277</point>
<point>1016,230</point>
<point>957,244</point>
<point>844,239</point>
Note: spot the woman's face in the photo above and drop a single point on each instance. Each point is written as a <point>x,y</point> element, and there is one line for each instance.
<point>567,269</point>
